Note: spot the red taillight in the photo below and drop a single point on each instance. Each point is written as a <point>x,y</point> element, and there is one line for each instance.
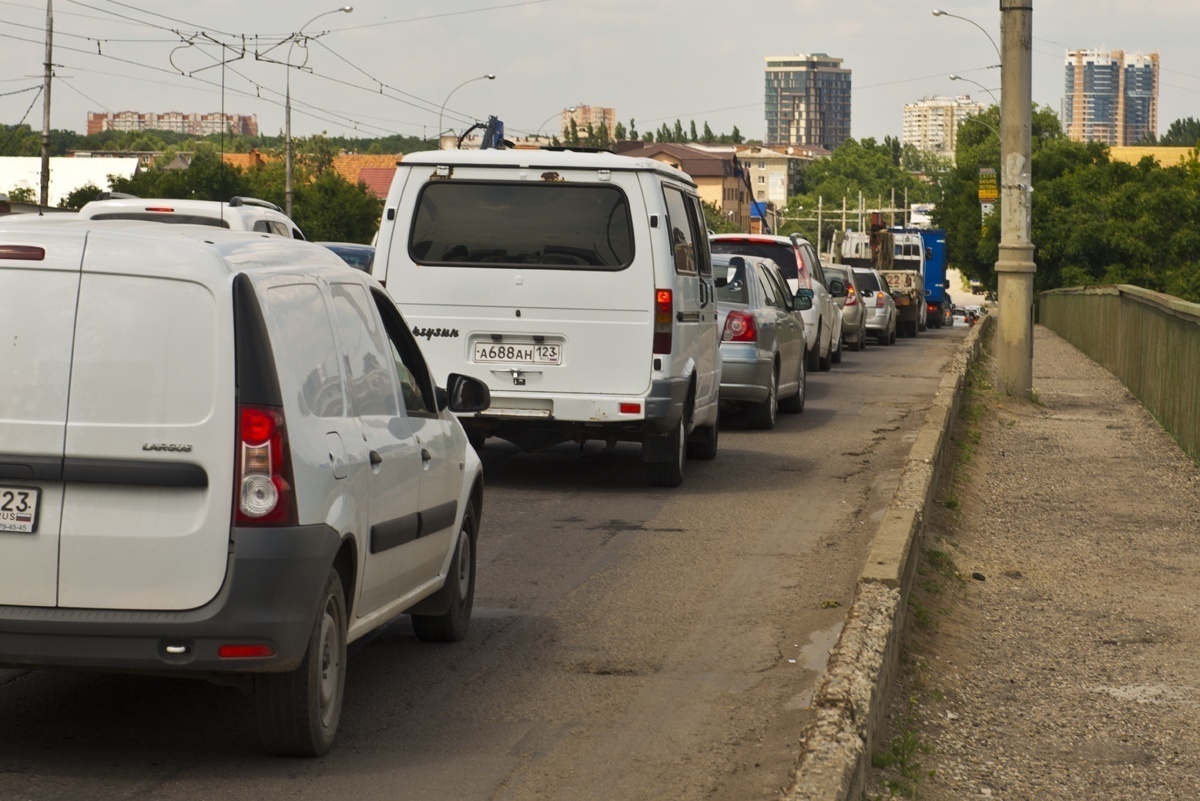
<point>879,301</point>
<point>160,208</point>
<point>851,297</point>
<point>262,489</point>
<point>253,651</point>
<point>630,408</point>
<point>664,310</point>
<point>740,327</point>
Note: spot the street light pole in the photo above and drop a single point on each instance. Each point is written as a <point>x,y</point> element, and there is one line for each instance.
<point>538,133</point>
<point>937,12</point>
<point>977,83</point>
<point>287,105</point>
<point>1016,267</point>
<point>442,110</point>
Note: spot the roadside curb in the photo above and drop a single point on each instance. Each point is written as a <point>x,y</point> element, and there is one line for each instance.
<point>851,696</point>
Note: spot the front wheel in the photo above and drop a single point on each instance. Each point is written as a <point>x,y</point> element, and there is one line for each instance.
<point>298,711</point>
<point>703,443</point>
<point>452,625</point>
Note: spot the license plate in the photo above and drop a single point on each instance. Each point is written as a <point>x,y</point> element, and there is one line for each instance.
<point>518,353</point>
<point>18,509</point>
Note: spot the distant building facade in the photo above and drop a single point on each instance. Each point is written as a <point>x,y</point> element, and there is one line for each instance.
<point>931,123</point>
<point>190,124</point>
<point>1111,96</point>
<point>807,100</point>
<point>584,116</point>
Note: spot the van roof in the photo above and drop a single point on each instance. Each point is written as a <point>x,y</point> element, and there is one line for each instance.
<point>545,159</point>
<point>241,251</point>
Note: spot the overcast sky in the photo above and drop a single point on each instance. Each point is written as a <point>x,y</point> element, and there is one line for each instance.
<point>388,67</point>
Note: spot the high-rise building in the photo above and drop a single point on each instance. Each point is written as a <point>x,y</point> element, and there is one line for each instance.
<point>931,124</point>
<point>191,124</point>
<point>807,100</point>
<point>594,116</point>
<point>1111,96</point>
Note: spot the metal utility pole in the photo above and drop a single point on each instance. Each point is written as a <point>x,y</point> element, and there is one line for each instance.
<point>44,198</point>
<point>1016,267</point>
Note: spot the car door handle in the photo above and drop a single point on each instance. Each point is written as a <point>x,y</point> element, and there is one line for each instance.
<point>375,458</point>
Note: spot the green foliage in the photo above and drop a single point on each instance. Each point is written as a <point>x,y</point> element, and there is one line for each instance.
<point>331,209</point>
<point>23,194</point>
<point>78,197</point>
<point>717,222</point>
<point>1181,133</point>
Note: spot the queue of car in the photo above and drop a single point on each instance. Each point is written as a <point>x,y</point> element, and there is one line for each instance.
<point>233,459</point>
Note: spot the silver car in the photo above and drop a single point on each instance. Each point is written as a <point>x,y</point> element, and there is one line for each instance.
<point>854,311</point>
<point>876,296</point>
<point>762,341</point>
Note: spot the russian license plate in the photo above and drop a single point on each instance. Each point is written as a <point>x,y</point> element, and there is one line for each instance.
<point>18,509</point>
<point>518,352</point>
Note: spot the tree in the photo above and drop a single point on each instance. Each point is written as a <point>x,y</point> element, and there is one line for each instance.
<point>23,194</point>
<point>76,198</point>
<point>892,144</point>
<point>708,137</point>
<point>717,222</point>
<point>619,133</point>
<point>600,138</point>
<point>633,134</point>
<point>1182,133</point>
<point>736,136</point>
<point>677,134</point>
<point>692,135</point>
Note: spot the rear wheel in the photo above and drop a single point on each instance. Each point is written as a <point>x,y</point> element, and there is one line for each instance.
<point>670,473</point>
<point>814,353</point>
<point>762,415</point>
<point>835,356</point>
<point>298,712</point>
<point>452,625</point>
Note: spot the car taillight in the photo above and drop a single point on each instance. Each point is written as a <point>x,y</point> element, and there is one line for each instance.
<point>664,310</point>
<point>879,302</point>
<point>263,486</point>
<point>851,297</point>
<point>740,327</point>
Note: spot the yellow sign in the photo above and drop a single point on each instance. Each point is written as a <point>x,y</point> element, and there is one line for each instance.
<point>989,186</point>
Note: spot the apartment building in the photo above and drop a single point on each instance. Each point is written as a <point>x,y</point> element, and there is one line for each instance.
<point>594,116</point>
<point>1111,96</point>
<point>807,100</point>
<point>931,123</point>
<point>177,121</point>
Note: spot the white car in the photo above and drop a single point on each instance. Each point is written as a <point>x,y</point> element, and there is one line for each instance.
<point>578,286</point>
<point>800,264</point>
<point>224,457</point>
<point>239,214</point>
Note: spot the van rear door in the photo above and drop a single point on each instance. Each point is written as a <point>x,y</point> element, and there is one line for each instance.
<point>148,458</point>
<point>39,285</point>
<point>530,280</point>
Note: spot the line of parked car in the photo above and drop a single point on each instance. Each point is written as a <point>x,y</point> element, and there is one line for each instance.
<point>225,455</point>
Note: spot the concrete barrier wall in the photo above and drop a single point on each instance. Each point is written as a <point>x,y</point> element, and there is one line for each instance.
<point>1149,341</point>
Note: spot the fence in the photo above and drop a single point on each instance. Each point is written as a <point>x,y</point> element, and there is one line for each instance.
<point>1150,341</point>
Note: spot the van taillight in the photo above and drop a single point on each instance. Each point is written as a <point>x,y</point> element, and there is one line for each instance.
<point>740,327</point>
<point>664,310</point>
<point>263,486</point>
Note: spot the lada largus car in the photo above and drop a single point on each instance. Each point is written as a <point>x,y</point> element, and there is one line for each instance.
<point>222,456</point>
<point>578,286</point>
<point>239,214</point>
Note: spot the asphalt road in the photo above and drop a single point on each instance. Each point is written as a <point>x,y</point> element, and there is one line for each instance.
<point>629,642</point>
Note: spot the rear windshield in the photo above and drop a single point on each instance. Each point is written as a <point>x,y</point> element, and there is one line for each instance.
<point>730,282</point>
<point>866,282</point>
<point>545,225</point>
<point>783,255</point>
<point>163,217</point>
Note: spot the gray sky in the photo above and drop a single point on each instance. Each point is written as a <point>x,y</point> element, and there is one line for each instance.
<point>389,66</point>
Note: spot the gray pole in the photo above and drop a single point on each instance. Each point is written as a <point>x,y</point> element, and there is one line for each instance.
<point>1016,267</point>
<point>45,195</point>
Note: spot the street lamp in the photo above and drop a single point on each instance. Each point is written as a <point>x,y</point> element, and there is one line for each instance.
<point>937,12</point>
<point>569,109</point>
<point>287,133</point>
<point>977,83</point>
<point>441,111</point>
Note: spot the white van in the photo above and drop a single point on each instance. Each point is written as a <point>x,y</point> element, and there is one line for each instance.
<point>578,286</point>
<point>222,456</point>
<point>239,214</point>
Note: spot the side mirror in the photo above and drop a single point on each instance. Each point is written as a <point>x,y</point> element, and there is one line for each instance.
<point>466,394</point>
<point>837,288</point>
<point>804,299</point>
<point>946,284</point>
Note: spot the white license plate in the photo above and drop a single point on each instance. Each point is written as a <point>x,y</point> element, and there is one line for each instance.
<point>18,509</point>
<point>517,353</point>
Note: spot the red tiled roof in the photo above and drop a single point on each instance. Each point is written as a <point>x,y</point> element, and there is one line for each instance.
<point>696,163</point>
<point>377,179</point>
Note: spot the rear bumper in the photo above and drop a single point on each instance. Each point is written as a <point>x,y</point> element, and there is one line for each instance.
<point>661,407</point>
<point>745,378</point>
<point>271,593</point>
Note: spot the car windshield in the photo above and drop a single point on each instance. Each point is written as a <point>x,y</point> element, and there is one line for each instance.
<point>866,282</point>
<point>781,254</point>
<point>548,225</point>
<point>163,217</point>
<point>357,257</point>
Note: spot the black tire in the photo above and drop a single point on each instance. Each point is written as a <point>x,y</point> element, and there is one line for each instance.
<point>452,625</point>
<point>825,362</point>
<point>795,404</point>
<point>892,337</point>
<point>703,442</point>
<point>835,356</point>
<point>762,415</point>
<point>814,355</point>
<point>298,712</point>
<point>670,473</point>
<point>476,438</point>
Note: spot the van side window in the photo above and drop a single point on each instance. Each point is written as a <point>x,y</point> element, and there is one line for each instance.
<point>703,252</point>
<point>369,374</point>
<point>262,227</point>
<point>304,345</point>
<point>680,227</point>
<point>416,388</point>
